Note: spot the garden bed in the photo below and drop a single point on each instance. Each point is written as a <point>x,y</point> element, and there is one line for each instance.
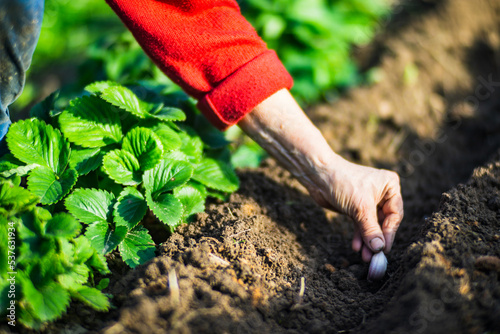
<point>270,260</point>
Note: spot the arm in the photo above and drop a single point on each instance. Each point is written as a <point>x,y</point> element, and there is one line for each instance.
<point>210,50</point>
<point>371,197</point>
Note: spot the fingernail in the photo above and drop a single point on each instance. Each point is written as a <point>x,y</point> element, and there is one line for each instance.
<point>376,244</point>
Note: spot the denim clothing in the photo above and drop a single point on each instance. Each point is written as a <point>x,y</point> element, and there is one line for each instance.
<point>20,23</point>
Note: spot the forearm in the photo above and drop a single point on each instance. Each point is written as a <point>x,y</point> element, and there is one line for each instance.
<point>371,197</point>
<point>280,126</point>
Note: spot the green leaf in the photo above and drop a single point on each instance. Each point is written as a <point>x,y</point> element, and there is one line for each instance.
<point>192,200</point>
<point>99,86</point>
<point>62,225</point>
<point>248,155</point>
<point>85,160</point>
<point>166,207</point>
<point>124,98</point>
<point>15,198</point>
<point>137,247</point>
<point>169,114</point>
<point>192,147</point>
<point>103,238</point>
<point>145,145</point>
<point>42,109</point>
<point>83,250</point>
<point>166,176</point>
<point>91,122</point>
<point>34,142</point>
<point>98,262</point>
<point>47,303</point>
<point>92,297</point>
<point>216,175</point>
<point>210,135</point>
<point>122,167</point>
<point>73,279</point>
<point>103,284</point>
<point>130,208</point>
<point>90,205</point>
<point>51,188</point>
<point>168,137</point>
<point>9,166</point>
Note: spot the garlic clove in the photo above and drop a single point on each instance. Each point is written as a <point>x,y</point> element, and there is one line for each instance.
<point>378,266</point>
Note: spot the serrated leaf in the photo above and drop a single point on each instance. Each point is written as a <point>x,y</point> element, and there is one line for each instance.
<point>91,122</point>
<point>34,142</point>
<point>85,160</point>
<point>14,198</point>
<point>166,207</point>
<point>103,238</point>
<point>47,303</point>
<point>192,200</point>
<point>168,137</point>
<point>216,175</point>
<point>166,176</point>
<point>92,297</point>
<point>99,86</point>
<point>169,114</point>
<point>51,188</point>
<point>98,262</point>
<point>124,98</point>
<point>129,208</point>
<point>10,165</point>
<point>73,279</point>
<point>83,250</point>
<point>62,225</point>
<point>122,167</point>
<point>145,145</point>
<point>137,247</point>
<point>90,205</point>
<point>175,155</point>
<point>192,147</point>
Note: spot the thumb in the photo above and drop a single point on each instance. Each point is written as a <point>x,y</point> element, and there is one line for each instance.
<point>370,229</point>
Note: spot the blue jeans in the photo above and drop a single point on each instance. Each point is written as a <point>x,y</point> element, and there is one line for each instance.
<point>20,23</point>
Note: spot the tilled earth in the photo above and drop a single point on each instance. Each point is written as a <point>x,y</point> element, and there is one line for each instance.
<point>271,261</point>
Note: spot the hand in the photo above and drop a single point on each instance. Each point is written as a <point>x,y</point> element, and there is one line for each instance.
<point>371,197</point>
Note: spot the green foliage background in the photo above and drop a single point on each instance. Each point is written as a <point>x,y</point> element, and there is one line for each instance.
<point>313,38</point>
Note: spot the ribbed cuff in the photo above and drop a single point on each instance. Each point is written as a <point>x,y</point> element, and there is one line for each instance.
<point>243,90</point>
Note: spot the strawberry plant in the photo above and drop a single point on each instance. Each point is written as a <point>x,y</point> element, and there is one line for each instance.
<point>44,260</point>
<point>114,153</point>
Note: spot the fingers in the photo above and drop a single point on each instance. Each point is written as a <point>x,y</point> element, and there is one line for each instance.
<point>366,254</point>
<point>394,213</point>
<point>370,229</point>
<point>357,241</point>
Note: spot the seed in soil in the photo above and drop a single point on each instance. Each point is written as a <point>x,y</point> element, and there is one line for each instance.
<point>378,266</point>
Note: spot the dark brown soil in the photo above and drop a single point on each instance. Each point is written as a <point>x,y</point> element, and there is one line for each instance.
<point>241,266</point>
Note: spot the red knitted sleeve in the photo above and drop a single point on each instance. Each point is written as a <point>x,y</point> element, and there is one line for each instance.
<point>210,50</point>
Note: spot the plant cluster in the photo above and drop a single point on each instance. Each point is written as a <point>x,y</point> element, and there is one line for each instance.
<point>109,156</point>
<point>44,261</point>
<point>314,38</point>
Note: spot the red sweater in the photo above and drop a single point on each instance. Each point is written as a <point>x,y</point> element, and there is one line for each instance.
<point>210,50</point>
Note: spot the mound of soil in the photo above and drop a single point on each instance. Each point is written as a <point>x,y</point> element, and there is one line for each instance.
<point>271,261</point>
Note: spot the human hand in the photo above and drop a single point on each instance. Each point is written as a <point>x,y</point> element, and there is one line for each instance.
<point>371,197</point>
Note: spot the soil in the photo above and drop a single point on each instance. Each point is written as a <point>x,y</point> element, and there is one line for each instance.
<point>271,261</point>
